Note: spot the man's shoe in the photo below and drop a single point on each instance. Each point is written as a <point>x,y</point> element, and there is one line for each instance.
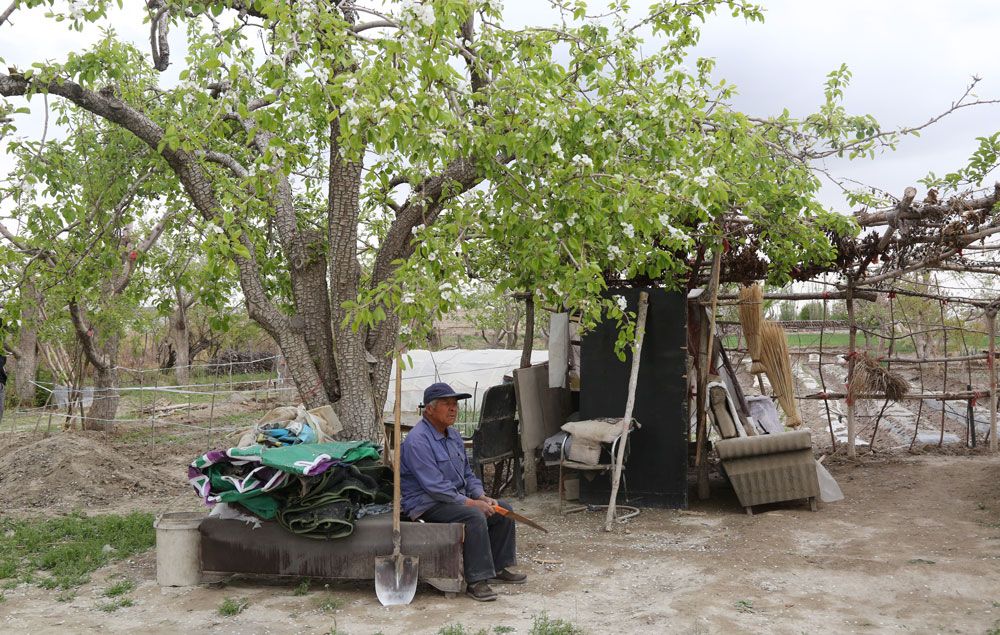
<point>505,576</point>
<point>481,591</point>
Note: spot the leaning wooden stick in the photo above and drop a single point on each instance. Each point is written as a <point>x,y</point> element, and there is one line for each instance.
<point>640,330</point>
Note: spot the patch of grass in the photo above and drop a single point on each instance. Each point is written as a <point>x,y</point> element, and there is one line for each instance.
<point>119,588</point>
<point>459,629</point>
<point>302,588</point>
<point>503,629</point>
<point>233,606</point>
<point>3,598</point>
<point>745,606</point>
<point>542,624</point>
<point>69,548</point>
<point>114,605</point>
<point>66,596</point>
<point>329,603</point>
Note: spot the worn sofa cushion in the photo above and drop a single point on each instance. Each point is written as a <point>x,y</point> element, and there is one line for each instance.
<point>764,444</point>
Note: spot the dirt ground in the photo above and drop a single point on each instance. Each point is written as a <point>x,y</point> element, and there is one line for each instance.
<point>914,547</point>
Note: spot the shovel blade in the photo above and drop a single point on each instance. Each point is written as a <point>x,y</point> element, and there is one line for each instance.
<point>396,579</point>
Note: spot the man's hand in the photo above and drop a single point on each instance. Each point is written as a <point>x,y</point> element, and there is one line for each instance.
<point>491,501</point>
<point>481,505</point>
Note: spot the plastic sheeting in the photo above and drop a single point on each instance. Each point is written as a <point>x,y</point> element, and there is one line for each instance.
<point>471,371</point>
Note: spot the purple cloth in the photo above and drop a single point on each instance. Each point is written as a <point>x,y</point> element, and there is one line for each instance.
<point>434,469</point>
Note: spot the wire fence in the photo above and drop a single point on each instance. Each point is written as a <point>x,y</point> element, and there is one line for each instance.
<point>149,407</point>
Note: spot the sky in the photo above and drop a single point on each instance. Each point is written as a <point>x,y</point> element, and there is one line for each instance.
<point>910,60</point>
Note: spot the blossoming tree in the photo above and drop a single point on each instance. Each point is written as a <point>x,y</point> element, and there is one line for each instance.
<point>350,159</point>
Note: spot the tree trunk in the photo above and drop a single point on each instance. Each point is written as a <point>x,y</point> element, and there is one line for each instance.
<point>179,336</point>
<point>101,415</point>
<point>26,370</point>
<point>27,347</point>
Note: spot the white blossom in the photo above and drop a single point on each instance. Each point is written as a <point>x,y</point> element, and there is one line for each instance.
<point>664,220</point>
<point>628,230</point>
<point>614,252</point>
<point>432,256</point>
<point>416,229</point>
<point>571,220</point>
<point>557,227</point>
<point>557,150</point>
<point>607,134</point>
<point>423,13</point>
<point>582,160</point>
<point>622,303</point>
<point>408,298</point>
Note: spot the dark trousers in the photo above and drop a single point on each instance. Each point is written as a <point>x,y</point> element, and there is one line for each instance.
<point>489,542</point>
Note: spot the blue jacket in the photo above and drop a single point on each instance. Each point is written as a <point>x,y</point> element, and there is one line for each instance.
<point>433,468</point>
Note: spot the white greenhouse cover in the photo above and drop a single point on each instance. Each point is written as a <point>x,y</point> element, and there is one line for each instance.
<point>471,371</point>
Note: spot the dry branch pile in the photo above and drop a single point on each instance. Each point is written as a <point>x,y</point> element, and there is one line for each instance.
<point>871,378</point>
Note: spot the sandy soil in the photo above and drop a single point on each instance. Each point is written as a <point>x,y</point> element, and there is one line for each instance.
<point>914,546</point>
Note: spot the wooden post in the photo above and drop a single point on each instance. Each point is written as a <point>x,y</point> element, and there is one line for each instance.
<point>944,379</point>
<point>706,357</point>
<point>211,409</point>
<point>851,353</point>
<point>640,330</point>
<point>822,381</point>
<point>991,318</point>
<point>529,329</point>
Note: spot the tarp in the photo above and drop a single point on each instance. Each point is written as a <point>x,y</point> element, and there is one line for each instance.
<point>471,371</point>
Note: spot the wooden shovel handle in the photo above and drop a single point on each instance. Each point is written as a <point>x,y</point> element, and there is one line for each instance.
<point>397,447</point>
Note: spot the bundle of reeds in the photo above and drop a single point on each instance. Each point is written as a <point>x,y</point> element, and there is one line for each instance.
<point>751,315</point>
<point>871,378</point>
<point>778,366</point>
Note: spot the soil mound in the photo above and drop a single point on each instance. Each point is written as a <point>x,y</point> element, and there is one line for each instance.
<point>78,470</point>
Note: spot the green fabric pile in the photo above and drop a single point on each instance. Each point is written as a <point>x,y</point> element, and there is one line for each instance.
<point>314,490</point>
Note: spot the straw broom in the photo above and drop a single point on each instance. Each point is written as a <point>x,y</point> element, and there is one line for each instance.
<point>751,301</point>
<point>778,366</point>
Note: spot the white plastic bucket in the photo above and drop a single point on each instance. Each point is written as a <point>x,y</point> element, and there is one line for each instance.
<point>178,548</point>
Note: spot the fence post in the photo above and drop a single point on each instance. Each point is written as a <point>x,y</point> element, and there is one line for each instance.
<point>851,354</point>
<point>991,318</point>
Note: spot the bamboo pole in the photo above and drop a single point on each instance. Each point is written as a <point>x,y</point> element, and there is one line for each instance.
<point>851,362</point>
<point>991,318</point>
<point>633,379</point>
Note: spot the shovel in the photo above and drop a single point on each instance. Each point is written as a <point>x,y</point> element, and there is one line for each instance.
<point>396,575</point>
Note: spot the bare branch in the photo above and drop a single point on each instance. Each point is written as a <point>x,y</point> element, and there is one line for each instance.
<point>6,13</point>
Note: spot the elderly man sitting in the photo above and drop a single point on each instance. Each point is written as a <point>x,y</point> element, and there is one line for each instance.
<point>438,485</point>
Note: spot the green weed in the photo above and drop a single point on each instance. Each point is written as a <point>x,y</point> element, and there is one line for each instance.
<point>119,588</point>
<point>66,596</point>
<point>233,606</point>
<point>544,625</point>
<point>745,606</point>
<point>302,588</point>
<point>329,603</point>
<point>114,605</point>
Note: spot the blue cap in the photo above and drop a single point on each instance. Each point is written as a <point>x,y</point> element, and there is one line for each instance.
<point>442,390</point>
